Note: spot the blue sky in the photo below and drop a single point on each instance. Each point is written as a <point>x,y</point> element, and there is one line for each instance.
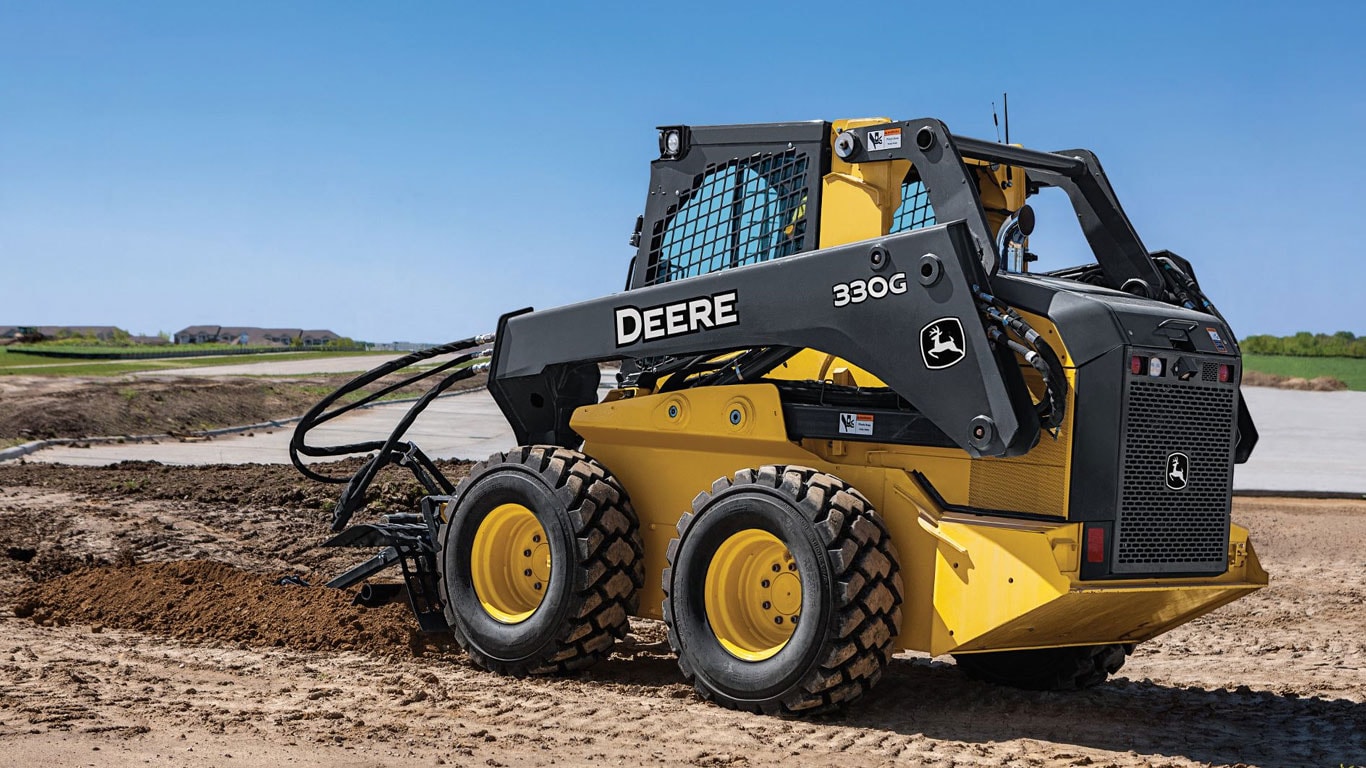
<point>412,170</point>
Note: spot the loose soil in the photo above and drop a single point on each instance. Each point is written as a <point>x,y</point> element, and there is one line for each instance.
<point>1276,381</point>
<point>41,407</point>
<point>143,622</point>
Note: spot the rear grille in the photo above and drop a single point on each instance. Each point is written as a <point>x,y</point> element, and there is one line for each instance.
<point>1162,529</point>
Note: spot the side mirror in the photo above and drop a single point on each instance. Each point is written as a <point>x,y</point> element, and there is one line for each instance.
<point>1025,219</point>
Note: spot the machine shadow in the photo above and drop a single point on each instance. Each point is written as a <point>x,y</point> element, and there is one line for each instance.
<point>934,699</point>
<point>1208,726</point>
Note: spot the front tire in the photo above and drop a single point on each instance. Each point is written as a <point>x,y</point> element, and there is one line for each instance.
<point>782,592</point>
<point>1046,669</point>
<point>541,562</point>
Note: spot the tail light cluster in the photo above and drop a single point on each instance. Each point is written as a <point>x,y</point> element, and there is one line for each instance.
<point>1158,366</point>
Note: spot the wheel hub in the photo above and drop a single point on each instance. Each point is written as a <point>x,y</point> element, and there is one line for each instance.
<point>510,563</point>
<point>753,595</point>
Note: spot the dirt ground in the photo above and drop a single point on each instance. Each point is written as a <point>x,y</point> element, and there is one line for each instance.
<point>46,407</point>
<point>141,622</point>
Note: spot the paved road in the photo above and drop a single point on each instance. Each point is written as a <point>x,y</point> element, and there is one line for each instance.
<point>294,367</point>
<point>1310,441</point>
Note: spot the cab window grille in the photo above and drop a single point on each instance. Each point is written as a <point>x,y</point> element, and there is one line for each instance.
<point>915,211</point>
<point>741,212</point>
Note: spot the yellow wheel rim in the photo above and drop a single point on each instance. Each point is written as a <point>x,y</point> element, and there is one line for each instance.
<point>753,595</point>
<point>510,563</point>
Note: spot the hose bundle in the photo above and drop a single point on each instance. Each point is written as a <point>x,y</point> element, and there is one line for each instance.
<point>1028,344</point>
<point>391,450</point>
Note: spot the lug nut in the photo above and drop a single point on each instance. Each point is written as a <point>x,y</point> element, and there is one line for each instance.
<point>777,568</point>
<point>767,605</point>
<point>764,583</point>
<point>527,572</point>
<point>792,566</point>
<point>526,553</point>
<point>536,586</point>
<point>536,538</point>
<point>777,619</point>
<point>794,619</point>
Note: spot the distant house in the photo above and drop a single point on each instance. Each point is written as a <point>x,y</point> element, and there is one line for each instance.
<point>253,336</point>
<point>197,334</point>
<point>317,338</point>
<point>150,341</point>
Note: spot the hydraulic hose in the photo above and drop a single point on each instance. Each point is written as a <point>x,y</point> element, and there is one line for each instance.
<point>391,449</point>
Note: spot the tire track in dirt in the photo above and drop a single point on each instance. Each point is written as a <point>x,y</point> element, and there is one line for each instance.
<point>1276,679</point>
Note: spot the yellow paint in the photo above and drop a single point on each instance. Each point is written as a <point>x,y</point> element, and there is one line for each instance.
<point>972,583</point>
<point>753,595</point>
<point>510,563</point>
<point>859,199</point>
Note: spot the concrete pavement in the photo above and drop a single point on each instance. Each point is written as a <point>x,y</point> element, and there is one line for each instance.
<point>1310,441</point>
<point>292,367</point>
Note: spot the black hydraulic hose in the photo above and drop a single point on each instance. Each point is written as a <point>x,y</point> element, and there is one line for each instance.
<point>319,413</point>
<point>391,449</point>
<point>1052,409</point>
<point>751,365</point>
<point>431,477</point>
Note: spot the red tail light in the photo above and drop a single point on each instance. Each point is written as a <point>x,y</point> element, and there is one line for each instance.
<point>1095,545</point>
<point>1225,373</point>
<point>1137,365</point>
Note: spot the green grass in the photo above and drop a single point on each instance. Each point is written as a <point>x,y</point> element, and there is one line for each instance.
<point>1351,370</point>
<point>36,365</point>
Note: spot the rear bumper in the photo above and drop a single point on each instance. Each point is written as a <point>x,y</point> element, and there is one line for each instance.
<point>1017,587</point>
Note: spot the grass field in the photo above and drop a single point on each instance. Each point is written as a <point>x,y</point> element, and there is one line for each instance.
<point>1348,369</point>
<point>18,363</point>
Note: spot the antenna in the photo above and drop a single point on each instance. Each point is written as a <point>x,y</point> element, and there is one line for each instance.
<point>1005,100</point>
<point>996,122</point>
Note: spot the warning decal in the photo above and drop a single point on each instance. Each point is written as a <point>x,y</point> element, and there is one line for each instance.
<point>856,424</point>
<point>1214,337</point>
<point>888,139</point>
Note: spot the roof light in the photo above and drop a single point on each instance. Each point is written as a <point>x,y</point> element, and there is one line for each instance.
<point>672,141</point>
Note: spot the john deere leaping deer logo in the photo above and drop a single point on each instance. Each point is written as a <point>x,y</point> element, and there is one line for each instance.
<point>1178,470</point>
<point>941,343</point>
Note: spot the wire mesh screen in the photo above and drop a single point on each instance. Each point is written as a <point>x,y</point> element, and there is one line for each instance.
<point>915,211</point>
<point>740,212</point>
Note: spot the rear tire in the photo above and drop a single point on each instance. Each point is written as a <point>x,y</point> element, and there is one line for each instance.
<point>730,599</point>
<point>541,562</point>
<point>1046,669</point>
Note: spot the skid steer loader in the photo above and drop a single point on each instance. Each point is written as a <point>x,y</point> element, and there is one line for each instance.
<point>848,421</point>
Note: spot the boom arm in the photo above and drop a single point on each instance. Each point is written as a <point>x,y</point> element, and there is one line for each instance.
<point>902,307</point>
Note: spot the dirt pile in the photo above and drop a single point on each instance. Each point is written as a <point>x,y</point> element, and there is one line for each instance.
<point>199,600</point>
<point>244,485</point>
<point>1318,384</point>
<point>40,408</point>
<point>261,518</point>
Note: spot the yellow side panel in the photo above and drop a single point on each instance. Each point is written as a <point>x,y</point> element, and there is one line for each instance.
<point>669,447</point>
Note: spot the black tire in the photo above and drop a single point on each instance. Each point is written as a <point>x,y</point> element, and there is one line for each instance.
<point>1046,669</point>
<point>850,610</point>
<point>596,564</point>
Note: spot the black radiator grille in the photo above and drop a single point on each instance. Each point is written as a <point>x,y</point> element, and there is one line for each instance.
<point>1162,529</point>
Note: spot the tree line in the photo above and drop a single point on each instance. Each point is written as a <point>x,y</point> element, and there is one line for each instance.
<point>1306,344</point>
